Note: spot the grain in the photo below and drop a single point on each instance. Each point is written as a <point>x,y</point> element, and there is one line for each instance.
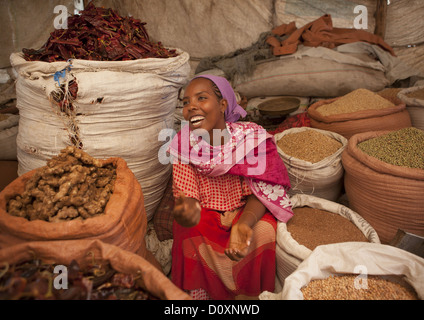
<point>309,145</point>
<point>357,100</point>
<point>313,227</point>
<point>404,147</point>
<point>350,287</point>
<point>417,94</point>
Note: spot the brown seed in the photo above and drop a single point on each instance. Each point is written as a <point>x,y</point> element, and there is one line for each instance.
<point>313,227</point>
<point>308,145</point>
<point>347,287</point>
<point>357,100</point>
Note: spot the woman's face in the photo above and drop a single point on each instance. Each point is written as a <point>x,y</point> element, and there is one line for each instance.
<point>202,108</point>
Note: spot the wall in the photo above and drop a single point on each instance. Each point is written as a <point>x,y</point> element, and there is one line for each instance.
<point>216,27</point>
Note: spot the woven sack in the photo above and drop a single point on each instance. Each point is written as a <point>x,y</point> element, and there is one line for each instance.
<point>353,258</point>
<point>8,133</point>
<point>290,253</point>
<point>84,251</point>
<point>119,111</point>
<point>414,106</point>
<point>303,74</point>
<point>389,197</point>
<point>323,179</point>
<point>123,223</point>
<point>348,124</point>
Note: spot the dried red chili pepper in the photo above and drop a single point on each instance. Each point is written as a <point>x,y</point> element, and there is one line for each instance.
<point>99,34</point>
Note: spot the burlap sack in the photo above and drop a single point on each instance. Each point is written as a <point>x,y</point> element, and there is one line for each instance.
<point>84,251</point>
<point>290,253</point>
<point>8,133</point>
<point>389,197</point>
<point>414,106</point>
<point>123,223</point>
<point>322,179</point>
<point>348,124</point>
<point>345,258</point>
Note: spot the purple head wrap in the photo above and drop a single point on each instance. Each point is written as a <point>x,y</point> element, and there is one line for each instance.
<point>234,110</point>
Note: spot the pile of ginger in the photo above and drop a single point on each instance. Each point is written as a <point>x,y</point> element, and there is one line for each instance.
<point>73,185</point>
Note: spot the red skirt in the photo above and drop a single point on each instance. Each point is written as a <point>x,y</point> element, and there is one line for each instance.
<point>199,260</point>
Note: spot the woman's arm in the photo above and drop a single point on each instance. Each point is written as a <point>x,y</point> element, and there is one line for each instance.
<point>241,231</point>
<point>253,211</point>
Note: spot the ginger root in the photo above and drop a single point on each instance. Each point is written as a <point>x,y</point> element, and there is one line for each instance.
<point>73,185</point>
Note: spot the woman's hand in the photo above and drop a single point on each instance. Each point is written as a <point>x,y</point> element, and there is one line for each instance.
<point>240,237</point>
<point>186,211</point>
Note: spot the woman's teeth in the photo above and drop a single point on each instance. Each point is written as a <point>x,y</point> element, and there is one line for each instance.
<point>196,119</point>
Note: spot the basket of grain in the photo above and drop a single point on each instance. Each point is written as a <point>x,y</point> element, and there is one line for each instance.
<point>75,196</point>
<point>81,270</point>
<point>316,222</point>
<point>384,180</point>
<point>355,271</point>
<point>358,111</point>
<point>313,161</point>
<point>414,99</point>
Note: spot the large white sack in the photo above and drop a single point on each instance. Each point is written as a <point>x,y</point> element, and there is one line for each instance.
<point>352,258</point>
<point>120,109</point>
<point>290,253</point>
<point>323,179</point>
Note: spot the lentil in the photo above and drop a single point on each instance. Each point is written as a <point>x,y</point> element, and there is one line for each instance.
<point>404,147</point>
<point>343,288</point>
<point>312,227</point>
<point>309,145</point>
<point>357,100</point>
<point>417,94</point>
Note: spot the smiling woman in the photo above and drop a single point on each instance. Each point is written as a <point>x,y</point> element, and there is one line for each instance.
<point>225,220</point>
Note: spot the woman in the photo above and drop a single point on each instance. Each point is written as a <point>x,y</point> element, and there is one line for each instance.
<point>230,188</point>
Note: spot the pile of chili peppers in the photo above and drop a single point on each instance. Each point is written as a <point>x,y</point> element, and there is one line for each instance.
<point>35,280</point>
<point>99,34</point>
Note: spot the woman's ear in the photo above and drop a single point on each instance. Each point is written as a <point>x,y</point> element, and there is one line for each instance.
<point>223,105</point>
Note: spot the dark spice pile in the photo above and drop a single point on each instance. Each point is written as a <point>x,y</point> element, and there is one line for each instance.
<point>99,34</point>
<point>35,280</point>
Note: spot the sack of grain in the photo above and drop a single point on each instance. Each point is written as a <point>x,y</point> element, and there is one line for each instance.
<point>118,110</point>
<point>361,261</point>
<point>358,111</point>
<point>313,161</point>
<point>304,73</point>
<point>389,196</point>
<point>8,133</point>
<point>122,223</point>
<point>414,99</point>
<point>91,254</point>
<point>306,230</point>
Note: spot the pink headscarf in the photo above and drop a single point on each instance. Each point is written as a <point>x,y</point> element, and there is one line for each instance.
<point>234,110</point>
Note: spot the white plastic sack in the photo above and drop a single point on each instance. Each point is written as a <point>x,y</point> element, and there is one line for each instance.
<point>121,107</point>
<point>8,134</point>
<point>290,253</point>
<point>352,258</point>
<point>414,106</point>
<point>323,179</point>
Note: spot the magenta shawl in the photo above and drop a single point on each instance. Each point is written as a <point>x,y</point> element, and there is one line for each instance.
<point>250,152</point>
